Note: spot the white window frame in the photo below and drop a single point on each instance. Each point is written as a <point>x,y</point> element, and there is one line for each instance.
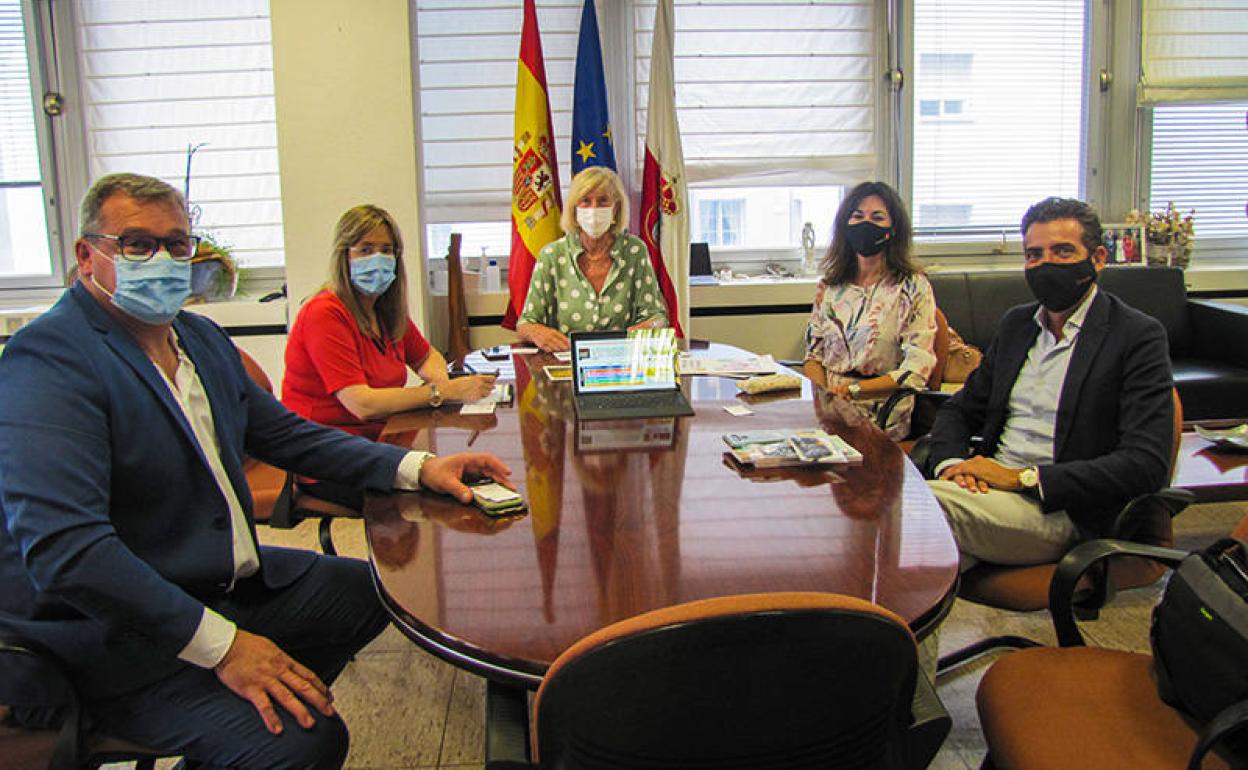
<point>25,289</point>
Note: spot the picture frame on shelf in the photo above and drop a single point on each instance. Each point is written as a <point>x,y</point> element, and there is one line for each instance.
<point>1125,242</point>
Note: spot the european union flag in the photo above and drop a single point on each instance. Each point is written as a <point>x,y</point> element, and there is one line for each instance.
<point>591,124</point>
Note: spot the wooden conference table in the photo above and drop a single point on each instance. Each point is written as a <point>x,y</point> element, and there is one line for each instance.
<point>629,517</point>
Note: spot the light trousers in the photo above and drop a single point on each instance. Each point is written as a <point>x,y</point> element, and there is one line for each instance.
<point>1003,527</point>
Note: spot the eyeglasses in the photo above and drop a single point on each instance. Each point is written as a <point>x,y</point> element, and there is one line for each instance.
<point>141,248</point>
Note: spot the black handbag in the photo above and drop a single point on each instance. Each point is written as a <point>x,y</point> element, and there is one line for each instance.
<point>1200,642</point>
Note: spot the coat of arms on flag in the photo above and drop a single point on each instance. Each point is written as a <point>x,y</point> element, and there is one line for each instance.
<point>533,180</point>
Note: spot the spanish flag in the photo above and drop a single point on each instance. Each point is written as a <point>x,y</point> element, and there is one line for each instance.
<point>535,201</point>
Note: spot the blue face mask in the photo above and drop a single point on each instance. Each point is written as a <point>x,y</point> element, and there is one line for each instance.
<point>373,275</point>
<point>151,291</point>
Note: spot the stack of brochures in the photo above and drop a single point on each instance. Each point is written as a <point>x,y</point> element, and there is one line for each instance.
<point>779,449</point>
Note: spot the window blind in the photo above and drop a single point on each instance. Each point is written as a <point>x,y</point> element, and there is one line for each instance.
<point>19,153</point>
<point>779,92</point>
<point>1194,51</point>
<point>24,247</point>
<point>468,57</point>
<point>998,96</point>
<point>1198,162</point>
<point>159,76</point>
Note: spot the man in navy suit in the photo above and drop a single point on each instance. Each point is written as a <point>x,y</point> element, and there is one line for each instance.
<point>128,546</point>
<point>1072,401</point>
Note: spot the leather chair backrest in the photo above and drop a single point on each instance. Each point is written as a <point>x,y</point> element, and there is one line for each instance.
<point>767,680</point>
<point>1156,291</point>
<point>975,300</point>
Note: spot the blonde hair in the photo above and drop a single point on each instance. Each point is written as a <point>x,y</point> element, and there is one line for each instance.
<point>391,306</point>
<point>592,180</point>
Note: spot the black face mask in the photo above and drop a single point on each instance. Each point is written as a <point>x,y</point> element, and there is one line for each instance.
<point>868,238</point>
<point>1059,285</point>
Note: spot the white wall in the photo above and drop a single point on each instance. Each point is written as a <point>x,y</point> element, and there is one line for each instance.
<point>346,130</point>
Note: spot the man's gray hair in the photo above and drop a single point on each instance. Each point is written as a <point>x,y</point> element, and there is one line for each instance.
<point>144,189</point>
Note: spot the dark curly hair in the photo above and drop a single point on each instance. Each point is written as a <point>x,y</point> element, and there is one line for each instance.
<point>1054,208</point>
<point>840,263</point>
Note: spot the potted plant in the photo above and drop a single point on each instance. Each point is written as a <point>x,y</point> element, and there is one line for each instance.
<point>214,273</point>
<point>1170,235</point>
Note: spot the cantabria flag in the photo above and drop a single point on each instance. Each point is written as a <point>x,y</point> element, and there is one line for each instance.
<point>664,195</point>
<point>535,200</point>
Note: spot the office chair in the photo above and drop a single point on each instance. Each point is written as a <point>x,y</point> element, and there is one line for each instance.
<point>32,678</point>
<point>1075,706</point>
<point>796,680</point>
<point>927,402</point>
<point>278,502</point>
<point>1145,520</point>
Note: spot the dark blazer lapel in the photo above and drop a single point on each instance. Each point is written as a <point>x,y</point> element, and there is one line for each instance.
<point>221,397</point>
<point>1091,337</point>
<point>117,338</point>
<point>1014,351</point>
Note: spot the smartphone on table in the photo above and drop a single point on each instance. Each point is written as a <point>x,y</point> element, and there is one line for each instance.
<point>497,353</point>
<point>494,499</point>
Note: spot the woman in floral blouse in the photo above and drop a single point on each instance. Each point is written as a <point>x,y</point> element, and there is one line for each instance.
<point>873,324</point>
<point>597,276</point>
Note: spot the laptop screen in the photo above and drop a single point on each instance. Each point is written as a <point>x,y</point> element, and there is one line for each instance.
<point>616,362</point>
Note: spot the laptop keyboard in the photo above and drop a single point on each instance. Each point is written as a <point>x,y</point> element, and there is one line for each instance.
<point>629,400</point>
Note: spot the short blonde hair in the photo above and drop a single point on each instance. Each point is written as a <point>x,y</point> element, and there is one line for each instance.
<point>391,306</point>
<point>592,180</point>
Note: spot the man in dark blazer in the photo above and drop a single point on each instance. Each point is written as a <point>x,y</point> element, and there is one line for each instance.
<point>129,548</point>
<point>1072,401</point>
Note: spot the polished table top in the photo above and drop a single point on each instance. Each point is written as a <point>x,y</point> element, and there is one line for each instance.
<point>629,517</point>
<point>1211,473</point>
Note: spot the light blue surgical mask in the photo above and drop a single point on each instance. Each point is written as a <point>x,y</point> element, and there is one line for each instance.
<point>373,275</point>
<point>151,291</point>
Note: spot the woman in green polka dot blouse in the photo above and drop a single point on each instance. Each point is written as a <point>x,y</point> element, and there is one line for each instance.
<point>597,276</point>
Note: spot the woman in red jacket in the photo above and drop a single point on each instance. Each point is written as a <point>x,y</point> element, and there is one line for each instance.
<point>353,344</point>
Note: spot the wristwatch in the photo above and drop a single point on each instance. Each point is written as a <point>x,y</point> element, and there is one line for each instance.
<point>853,389</point>
<point>435,398</point>
<point>1029,477</point>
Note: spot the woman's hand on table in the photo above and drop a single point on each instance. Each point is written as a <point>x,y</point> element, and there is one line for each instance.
<point>549,340</point>
<point>446,474</point>
<point>467,389</point>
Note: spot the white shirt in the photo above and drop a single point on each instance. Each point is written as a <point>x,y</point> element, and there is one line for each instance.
<point>215,634</point>
<point>1027,438</point>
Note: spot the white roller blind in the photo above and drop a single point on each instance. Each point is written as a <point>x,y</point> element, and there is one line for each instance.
<point>1200,161</point>
<point>1194,51</point>
<point>778,92</point>
<point>998,97</point>
<point>468,51</point>
<point>161,75</point>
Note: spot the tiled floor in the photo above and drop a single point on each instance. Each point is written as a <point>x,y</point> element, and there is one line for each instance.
<point>409,710</point>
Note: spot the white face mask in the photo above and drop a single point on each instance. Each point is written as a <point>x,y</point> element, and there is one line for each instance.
<point>595,221</point>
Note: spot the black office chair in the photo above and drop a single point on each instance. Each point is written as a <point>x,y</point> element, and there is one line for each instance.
<point>1075,706</point>
<point>799,680</point>
<point>32,679</point>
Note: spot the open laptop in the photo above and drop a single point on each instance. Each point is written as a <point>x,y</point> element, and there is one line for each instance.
<point>620,377</point>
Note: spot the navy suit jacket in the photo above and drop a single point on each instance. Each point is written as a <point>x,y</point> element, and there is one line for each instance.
<point>116,535</point>
<point>1115,414</point>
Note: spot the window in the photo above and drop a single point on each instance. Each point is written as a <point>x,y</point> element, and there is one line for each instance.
<point>1194,80</point>
<point>1200,162</point>
<point>24,245</point>
<point>793,148</point>
<point>999,110</point>
<point>720,221</point>
<point>161,78</point>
